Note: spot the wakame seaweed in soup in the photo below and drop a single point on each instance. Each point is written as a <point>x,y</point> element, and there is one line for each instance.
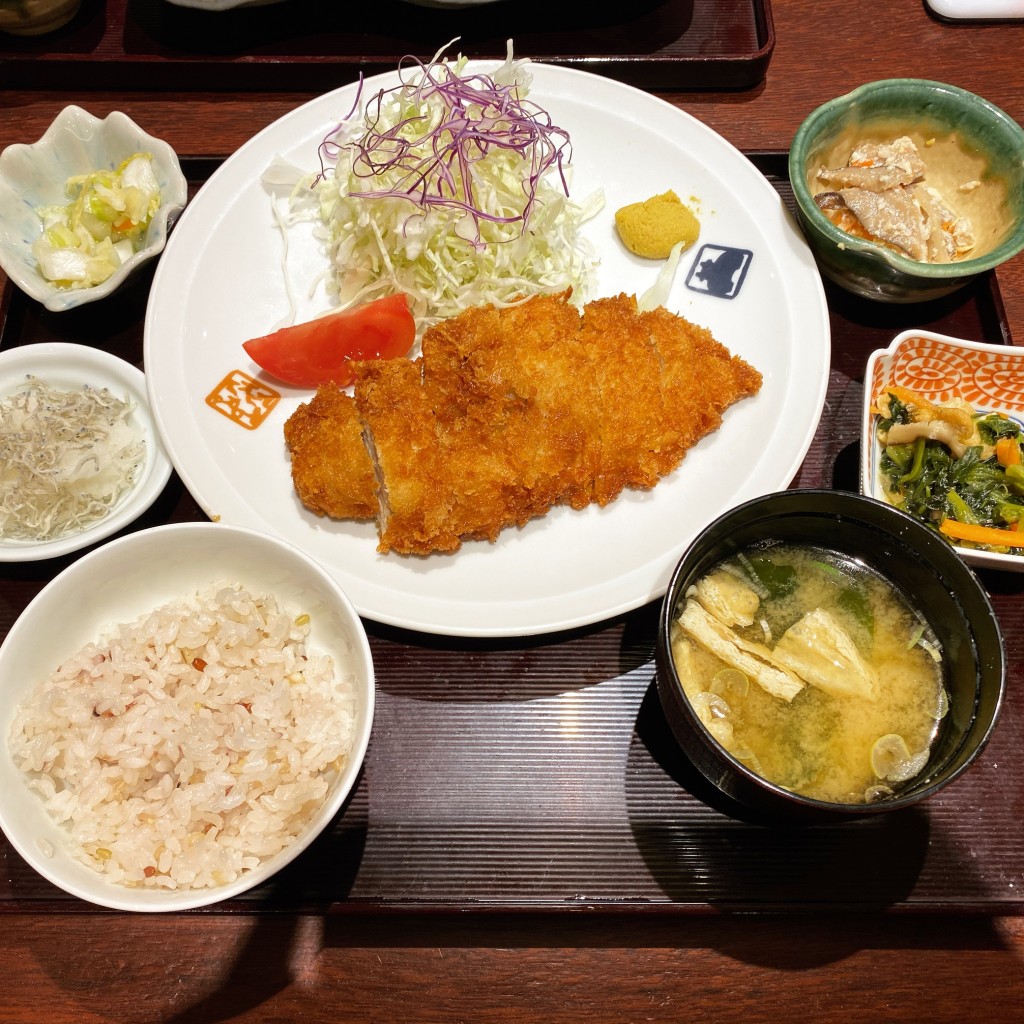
<point>812,670</point>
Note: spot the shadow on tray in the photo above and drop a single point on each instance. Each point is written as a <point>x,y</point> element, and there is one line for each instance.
<point>264,964</point>
<point>698,849</point>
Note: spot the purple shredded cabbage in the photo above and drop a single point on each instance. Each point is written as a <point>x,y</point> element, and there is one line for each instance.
<point>478,115</point>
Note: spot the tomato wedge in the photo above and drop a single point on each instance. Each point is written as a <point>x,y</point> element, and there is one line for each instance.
<point>324,349</point>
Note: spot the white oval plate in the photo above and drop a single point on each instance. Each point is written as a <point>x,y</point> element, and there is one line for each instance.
<point>69,367</point>
<point>990,377</point>
<point>220,282</point>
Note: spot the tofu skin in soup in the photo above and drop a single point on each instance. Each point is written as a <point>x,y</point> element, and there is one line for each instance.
<point>812,670</point>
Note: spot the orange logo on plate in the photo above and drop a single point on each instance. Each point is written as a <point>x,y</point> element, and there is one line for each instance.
<point>243,399</point>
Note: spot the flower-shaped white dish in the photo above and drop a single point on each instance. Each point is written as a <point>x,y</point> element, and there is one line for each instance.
<point>72,367</point>
<point>34,176</point>
<point>939,368</point>
<point>121,583</point>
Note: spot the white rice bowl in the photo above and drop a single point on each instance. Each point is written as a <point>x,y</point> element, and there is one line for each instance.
<point>217,769</point>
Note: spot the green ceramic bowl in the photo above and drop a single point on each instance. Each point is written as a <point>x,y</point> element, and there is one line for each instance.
<point>961,137</point>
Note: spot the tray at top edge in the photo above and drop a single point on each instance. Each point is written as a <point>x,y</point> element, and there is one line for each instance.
<point>655,44</point>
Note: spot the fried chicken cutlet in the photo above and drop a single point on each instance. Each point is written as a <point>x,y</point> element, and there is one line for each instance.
<point>521,382</point>
<point>333,473</point>
<point>510,412</point>
<point>633,414</point>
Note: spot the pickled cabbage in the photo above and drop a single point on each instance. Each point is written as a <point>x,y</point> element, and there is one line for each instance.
<point>86,240</point>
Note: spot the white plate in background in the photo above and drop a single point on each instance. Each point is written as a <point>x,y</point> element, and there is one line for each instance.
<point>978,10</point>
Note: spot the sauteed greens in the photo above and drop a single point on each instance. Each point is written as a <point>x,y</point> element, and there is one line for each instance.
<point>954,468</point>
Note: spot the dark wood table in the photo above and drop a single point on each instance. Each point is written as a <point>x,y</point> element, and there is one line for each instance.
<point>383,921</point>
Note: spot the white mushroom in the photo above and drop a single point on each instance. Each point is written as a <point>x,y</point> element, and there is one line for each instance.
<point>932,430</point>
<point>892,760</point>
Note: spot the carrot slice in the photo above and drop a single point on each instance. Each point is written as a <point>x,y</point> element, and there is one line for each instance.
<point>907,396</point>
<point>1008,452</point>
<point>991,535</point>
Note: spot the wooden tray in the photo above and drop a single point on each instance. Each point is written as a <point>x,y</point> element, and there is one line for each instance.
<point>314,45</point>
<point>539,774</point>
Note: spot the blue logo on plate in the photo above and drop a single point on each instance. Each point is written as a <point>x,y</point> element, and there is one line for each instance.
<point>719,270</point>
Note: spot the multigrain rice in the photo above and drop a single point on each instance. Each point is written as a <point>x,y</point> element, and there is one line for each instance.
<point>185,748</point>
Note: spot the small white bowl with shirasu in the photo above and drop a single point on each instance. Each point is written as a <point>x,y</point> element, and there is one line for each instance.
<point>80,456</point>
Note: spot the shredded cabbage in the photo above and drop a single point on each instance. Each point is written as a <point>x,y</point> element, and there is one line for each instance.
<point>452,188</point>
<point>86,240</point>
<point>658,293</point>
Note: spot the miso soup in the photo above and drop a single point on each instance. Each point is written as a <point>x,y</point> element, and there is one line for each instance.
<point>812,670</point>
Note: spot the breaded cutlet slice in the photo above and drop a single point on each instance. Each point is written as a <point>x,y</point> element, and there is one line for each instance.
<point>331,468</point>
<point>479,437</point>
<point>485,439</point>
<point>488,428</point>
<point>521,374</point>
<point>476,443</point>
<point>416,486</point>
<point>700,377</point>
<point>443,474</point>
<point>633,419</point>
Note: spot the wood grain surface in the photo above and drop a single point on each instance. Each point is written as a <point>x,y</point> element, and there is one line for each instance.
<point>99,967</point>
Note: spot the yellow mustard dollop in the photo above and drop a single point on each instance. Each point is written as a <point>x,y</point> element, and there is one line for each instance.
<point>652,227</point>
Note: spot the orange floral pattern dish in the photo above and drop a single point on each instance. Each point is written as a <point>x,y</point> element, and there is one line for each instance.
<point>940,368</point>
